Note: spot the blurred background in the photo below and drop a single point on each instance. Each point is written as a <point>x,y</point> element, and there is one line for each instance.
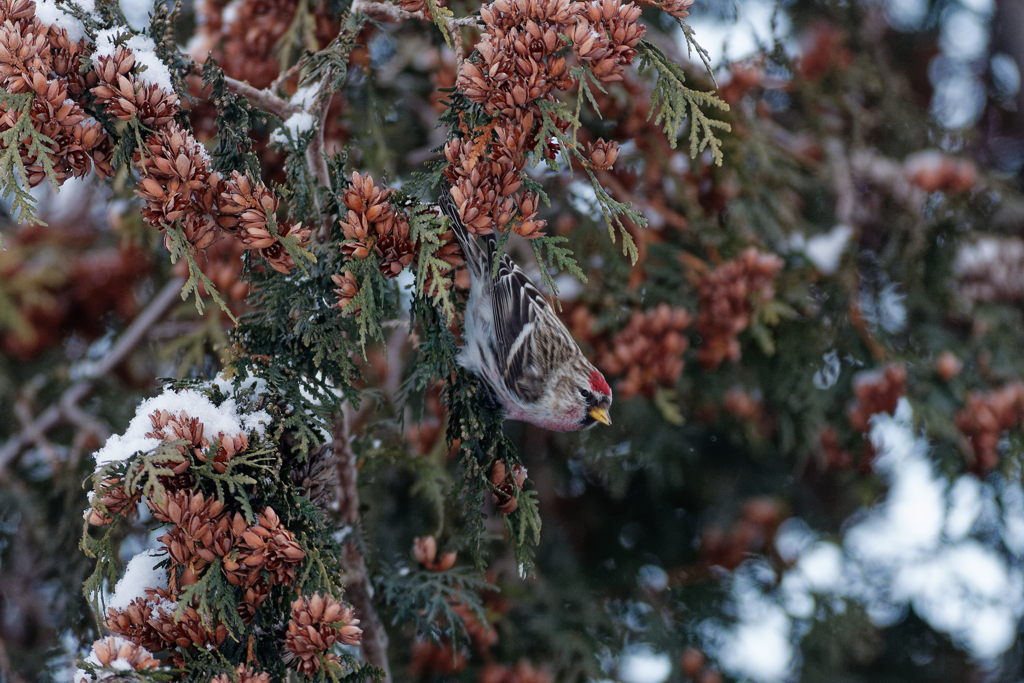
<point>814,472</point>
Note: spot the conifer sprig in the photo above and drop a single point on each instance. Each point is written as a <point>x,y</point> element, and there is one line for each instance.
<point>671,98</point>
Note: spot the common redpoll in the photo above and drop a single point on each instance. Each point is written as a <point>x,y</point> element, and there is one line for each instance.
<point>518,346</point>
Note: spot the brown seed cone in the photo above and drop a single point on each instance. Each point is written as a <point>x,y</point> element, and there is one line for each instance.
<point>311,631</point>
<point>24,52</point>
<point>507,483</point>
<point>189,631</point>
<point>647,352</point>
<point>425,551</point>
<point>394,249</point>
<point>190,540</point>
<point>227,448</point>
<point>529,227</point>
<point>348,289</point>
<point>14,10</point>
<point>282,553</point>
<point>243,675</point>
<point>876,392</point>
<point>125,96</point>
<point>680,9</point>
<point>603,154</point>
<point>114,648</point>
<point>116,501</point>
<point>727,297</point>
<point>316,476</point>
<point>133,622</point>
<point>984,419</point>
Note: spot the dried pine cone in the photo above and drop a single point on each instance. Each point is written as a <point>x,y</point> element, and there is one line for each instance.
<point>648,351</point>
<point>115,500</point>
<point>243,675</point>
<point>117,653</point>
<point>316,476</point>
<point>603,154</point>
<point>188,631</point>
<point>348,289</point>
<point>727,297</point>
<point>984,419</point>
<point>876,392</point>
<point>425,551</point>
<point>506,485</point>
<point>194,522</point>
<point>178,185</point>
<point>252,212</point>
<point>123,96</point>
<point>680,9</point>
<point>133,622</point>
<point>311,633</point>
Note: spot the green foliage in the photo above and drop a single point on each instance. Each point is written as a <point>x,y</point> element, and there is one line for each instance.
<point>427,600</point>
<point>235,118</point>
<point>671,97</point>
<point>12,167</point>
<point>180,248</point>
<point>427,231</point>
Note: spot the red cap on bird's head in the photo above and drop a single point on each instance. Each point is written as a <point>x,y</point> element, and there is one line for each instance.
<point>598,383</point>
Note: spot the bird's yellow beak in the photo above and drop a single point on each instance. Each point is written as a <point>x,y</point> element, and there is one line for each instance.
<point>601,415</point>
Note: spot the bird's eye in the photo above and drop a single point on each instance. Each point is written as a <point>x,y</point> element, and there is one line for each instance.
<point>585,394</point>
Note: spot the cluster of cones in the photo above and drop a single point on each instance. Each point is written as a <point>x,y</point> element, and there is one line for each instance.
<point>194,447</point>
<point>522,64</point>
<point>984,419</point>
<point>648,351</point>
<point>42,60</point>
<point>316,624</point>
<point>177,181</point>
<point>728,295</point>
<point>373,226</point>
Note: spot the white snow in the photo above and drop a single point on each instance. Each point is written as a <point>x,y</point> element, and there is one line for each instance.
<point>296,124</point>
<point>306,97</point>
<point>48,13</point>
<point>215,419</point>
<point>914,548</point>
<point>140,574</point>
<point>735,40</point>
<point>156,72</point>
<point>641,664</point>
<point>824,251</point>
<point>758,647</point>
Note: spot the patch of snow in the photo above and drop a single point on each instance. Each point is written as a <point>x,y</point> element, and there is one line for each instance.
<point>215,419</point>
<point>824,251</point>
<point>641,664</point>
<point>156,72</point>
<point>140,574</point>
<point>296,125</point>
<point>49,14</point>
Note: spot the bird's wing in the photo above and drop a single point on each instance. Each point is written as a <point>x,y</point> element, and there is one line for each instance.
<point>531,339</point>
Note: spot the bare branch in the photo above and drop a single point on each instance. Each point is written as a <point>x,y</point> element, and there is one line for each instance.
<point>357,587</point>
<point>264,99</point>
<point>66,409</point>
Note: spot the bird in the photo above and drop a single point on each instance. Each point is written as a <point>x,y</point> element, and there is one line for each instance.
<point>515,343</point>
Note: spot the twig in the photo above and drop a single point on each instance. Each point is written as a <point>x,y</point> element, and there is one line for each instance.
<point>66,408</point>
<point>265,99</point>
<point>358,587</point>
<point>842,179</point>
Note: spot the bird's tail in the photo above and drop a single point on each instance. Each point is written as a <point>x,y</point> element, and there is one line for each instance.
<point>478,261</point>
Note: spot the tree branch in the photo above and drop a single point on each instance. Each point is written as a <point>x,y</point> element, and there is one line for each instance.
<point>67,408</point>
<point>264,99</point>
<point>357,587</point>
